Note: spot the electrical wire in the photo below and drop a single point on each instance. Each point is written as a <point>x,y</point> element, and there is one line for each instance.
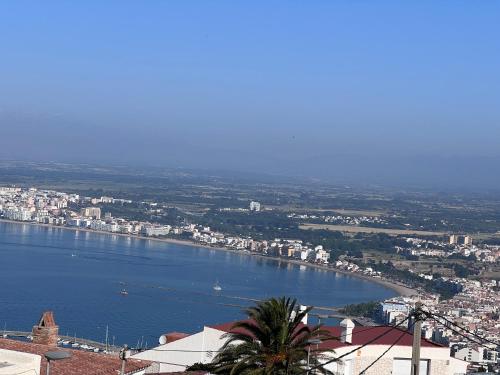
<point>358,347</point>
<point>386,351</point>
<point>171,363</point>
<point>180,350</point>
<point>463,328</point>
<point>24,372</point>
<point>428,314</point>
<point>323,364</point>
<point>458,332</point>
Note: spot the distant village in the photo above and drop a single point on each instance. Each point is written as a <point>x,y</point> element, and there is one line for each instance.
<point>340,219</point>
<point>475,308</point>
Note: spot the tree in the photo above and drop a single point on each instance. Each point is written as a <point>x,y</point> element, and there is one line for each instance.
<point>272,341</point>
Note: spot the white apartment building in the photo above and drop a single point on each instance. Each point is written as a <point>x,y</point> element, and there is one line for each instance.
<point>93,212</point>
<point>19,214</point>
<point>322,256</point>
<point>477,354</point>
<point>255,206</point>
<point>101,225</point>
<point>151,231</point>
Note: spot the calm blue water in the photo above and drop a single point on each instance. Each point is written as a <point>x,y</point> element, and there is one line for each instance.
<point>79,275</point>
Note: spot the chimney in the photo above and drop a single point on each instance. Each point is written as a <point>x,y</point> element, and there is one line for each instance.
<point>347,326</point>
<point>46,332</point>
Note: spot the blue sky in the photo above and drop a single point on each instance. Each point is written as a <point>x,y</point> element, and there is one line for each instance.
<point>343,90</point>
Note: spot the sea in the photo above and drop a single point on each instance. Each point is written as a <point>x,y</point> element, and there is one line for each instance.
<point>80,276</point>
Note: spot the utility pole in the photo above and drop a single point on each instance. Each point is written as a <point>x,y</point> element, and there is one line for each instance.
<point>417,337</point>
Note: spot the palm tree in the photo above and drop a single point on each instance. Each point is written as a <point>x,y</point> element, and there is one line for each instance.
<point>272,341</point>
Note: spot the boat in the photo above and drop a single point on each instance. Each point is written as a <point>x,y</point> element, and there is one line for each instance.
<point>124,292</point>
<point>217,287</point>
<point>65,342</point>
<point>75,345</point>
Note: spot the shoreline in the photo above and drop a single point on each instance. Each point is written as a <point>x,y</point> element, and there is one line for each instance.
<point>400,289</point>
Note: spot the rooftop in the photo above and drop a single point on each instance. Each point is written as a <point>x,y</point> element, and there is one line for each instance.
<point>80,363</point>
<point>360,336</point>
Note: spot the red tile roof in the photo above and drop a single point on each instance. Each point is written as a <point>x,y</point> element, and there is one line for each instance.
<point>363,335</point>
<point>360,336</point>
<point>174,336</point>
<point>80,363</point>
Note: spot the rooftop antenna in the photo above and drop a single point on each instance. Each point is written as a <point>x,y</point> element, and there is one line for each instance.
<point>107,335</point>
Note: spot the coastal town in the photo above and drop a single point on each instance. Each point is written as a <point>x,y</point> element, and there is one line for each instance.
<point>475,305</point>
<point>250,188</point>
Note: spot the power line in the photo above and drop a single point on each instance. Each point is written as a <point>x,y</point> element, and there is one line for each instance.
<point>322,364</point>
<point>25,372</point>
<point>459,333</point>
<point>435,317</point>
<point>359,347</point>
<point>182,350</point>
<point>171,363</point>
<point>464,329</point>
<point>386,351</point>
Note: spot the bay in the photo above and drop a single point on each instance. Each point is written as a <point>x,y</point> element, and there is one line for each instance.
<point>79,276</point>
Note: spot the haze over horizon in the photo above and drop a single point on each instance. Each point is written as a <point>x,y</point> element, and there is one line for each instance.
<point>380,92</point>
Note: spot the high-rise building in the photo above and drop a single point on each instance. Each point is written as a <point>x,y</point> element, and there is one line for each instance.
<point>94,212</point>
<point>453,239</point>
<point>467,240</point>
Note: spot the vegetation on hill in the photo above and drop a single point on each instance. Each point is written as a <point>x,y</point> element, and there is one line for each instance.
<point>365,309</point>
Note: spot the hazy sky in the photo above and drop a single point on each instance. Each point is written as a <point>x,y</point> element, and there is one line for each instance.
<point>348,90</point>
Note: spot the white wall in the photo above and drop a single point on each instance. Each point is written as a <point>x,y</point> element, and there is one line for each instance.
<point>441,363</point>
<point>19,362</point>
<point>179,354</point>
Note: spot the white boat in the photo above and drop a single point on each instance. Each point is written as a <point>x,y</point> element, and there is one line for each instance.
<point>65,342</point>
<point>75,345</point>
<point>217,287</point>
<point>124,292</point>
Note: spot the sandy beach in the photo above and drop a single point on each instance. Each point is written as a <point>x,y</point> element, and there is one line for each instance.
<point>398,288</point>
